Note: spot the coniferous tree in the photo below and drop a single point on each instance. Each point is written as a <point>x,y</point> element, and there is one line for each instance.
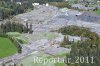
<point>65,42</point>
<point>3,64</point>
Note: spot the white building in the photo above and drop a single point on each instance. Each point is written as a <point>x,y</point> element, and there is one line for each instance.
<point>66,0</point>
<point>18,3</point>
<point>47,4</point>
<point>98,1</point>
<point>35,4</point>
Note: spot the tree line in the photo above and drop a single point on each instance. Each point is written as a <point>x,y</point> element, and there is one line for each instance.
<point>15,27</point>
<point>78,31</point>
<point>84,49</point>
<point>8,9</point>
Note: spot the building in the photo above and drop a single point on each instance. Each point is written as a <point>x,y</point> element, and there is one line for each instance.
<point>35,4</point>
<point>18,3</point>
<point>47,4</point>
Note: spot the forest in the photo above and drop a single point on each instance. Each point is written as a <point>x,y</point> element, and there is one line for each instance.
<point>83,49</point>
<point>8,9</point>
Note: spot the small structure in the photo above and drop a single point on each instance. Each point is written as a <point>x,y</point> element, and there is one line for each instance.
<point>47,4</point>
<point>35,4</point>
<point>18,3</point>
<point>12,1</point>
<point>98,1</point>
<point>66,0</point>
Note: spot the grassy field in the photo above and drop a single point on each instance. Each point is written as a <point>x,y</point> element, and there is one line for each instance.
<point>98,11</point>
<point>6,47</point>
<point>59,4</point>
<point>25,38</point>
<point>60,64</point>
<point>38,36</point>
<point>15,34</point>
<point>29,60</point>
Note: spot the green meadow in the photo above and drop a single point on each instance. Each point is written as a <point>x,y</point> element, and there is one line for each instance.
<point>7,48</point>
<point>98,11</point>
